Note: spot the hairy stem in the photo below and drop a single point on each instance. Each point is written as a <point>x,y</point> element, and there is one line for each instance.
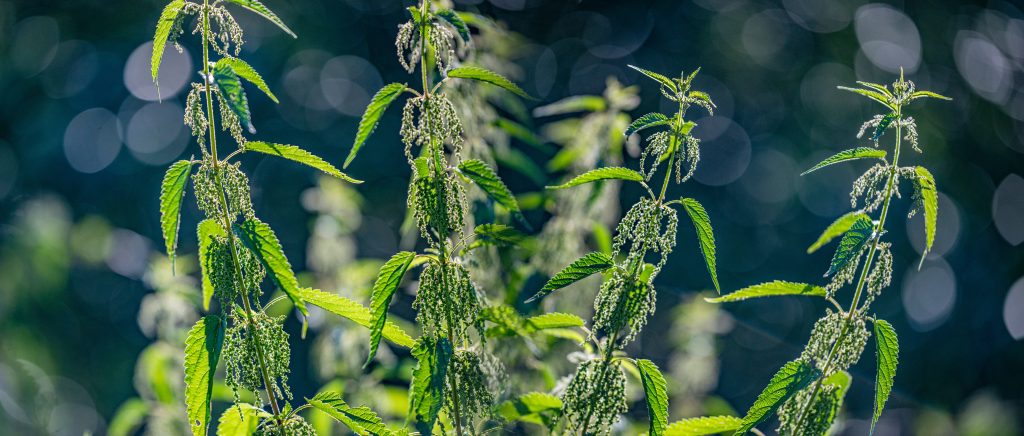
<point>226,218</point>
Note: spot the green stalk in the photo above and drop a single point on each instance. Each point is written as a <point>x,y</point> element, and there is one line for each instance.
<point>261,358</point>
<point>865,270</point>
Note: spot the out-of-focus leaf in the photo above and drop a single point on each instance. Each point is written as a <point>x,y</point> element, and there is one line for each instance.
<point>706,425</point>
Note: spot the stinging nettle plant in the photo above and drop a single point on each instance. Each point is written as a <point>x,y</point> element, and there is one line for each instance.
<point>807,393</point>
<point>596,393</point>
<point>236,250</point>
<point>454,374</point>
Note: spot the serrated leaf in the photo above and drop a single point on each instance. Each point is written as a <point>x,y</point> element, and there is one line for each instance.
<point>578,103</point>
<point>426,395</point>
<point>507,321</point>
<point>202,351</point>
<point>882,125</point>
<point>845,155</point>
<point>705,235</point>
<point>705,425</point>
<point>771,289</point>
<point>579,269</point>
<point>355,312</point>
<point>516,160</point>
<point>230,88</point>
<point>652,119</point>
<point>617,173</point>
<point>263,11</point>
<point>240,419</point>
<point>163,32</point>
<point>485,177</point>
<point>887,350</point>
<point>837,228</point>
<point>498,235</point>
<point>247,72</point>
<point>259,238</point>
<point>172,192</point>
<point>919,94</point>
<point>128,418</point>
<point>520,132</point>
<point>388,279</point>
<point>456,21</point>
<point>299,155</point>
<point>792,377</point>
<point>665,81</point>
<point>534,407</point>
<point>206,231</point>
<point>553,320</point>
<point>361,420</point>
<point>880,88</point>
<point>473,72</point>
<point>851,243</point>
<point>378,104</point>
<point>874,95</point>
<point>656,394</point>
<point>930,203</point>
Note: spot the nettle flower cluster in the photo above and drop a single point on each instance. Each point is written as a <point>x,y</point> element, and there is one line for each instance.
<point>596,394</point>
<point>808,392</point>
<point>454,374</point>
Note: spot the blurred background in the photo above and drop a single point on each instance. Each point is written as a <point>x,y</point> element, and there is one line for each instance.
<point>90,316</point>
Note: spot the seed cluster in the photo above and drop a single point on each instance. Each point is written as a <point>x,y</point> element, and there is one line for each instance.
<point>242,344</point>
<point>446,301</point>
<point>222,274</point>
<point>819,414</point>
<point>438,205</point>
<point>294,426</point>
<point>430,122</point>
<point>469,383</point>
<point>236,190</point>
<point>595,396</point>
<point>826,332</point>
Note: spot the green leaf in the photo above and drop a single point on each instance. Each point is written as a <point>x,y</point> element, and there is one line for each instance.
<point>361,420</point>
<point>851,243</point>
<point>665,81</point>
<point>874,95</point>
<point>172,192</point>
<point>520,132</point>
<point>579,269</point>
<point>485,177</point>
<point>887,350</point>
<point>163,32</point>
<point>259,238</point>
<point>299,155</point>
<point>656,393</point>
<point>792,377</point>
<point>456,21</point>
<point>845,155</point>
<point>838,227</point>
<point>206,231</point>
<point>263,11</point>
<point>355,312</point>
<point>553,320</point>
<point>128,418</point>
<point>617,173</point>
<point>882,125</point>
<point>202,351</point>
<point>473,72</point>
<point>577,103</point>
<point>534,407</point>
<point>426,395</point>
<point>230,88</point>
<point>247,72</point>
<point>930,202</point>
<point>497,235</point>
<point>240,419</point>
<point>880,88</point>
<point>770,289</point>
<point>706,425</point>
<point>388,279</point>
<point>380,102</point>
<point>705,235</point>
<point>920,94</point>
<point>652,119</point>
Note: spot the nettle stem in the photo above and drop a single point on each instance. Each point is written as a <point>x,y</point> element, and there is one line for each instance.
<point>865,270</point>
<point>226,215</point>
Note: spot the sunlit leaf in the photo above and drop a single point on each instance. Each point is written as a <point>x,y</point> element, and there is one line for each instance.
<point>706,425</point>
<point>263,11</point>
<point>579,269</point>
<point>533,407</point>
<point>882,125</point>
<point>380,102</point>
<point>240,419</point>
<point>578,103</point>
<point>925,183</point>
<point>887,351</point>
<point>230,87</point>
<point>792,377</point>
<point>656,394</point>
<point>202,352</point>
<point>388,279</point>
<point>299,155</point>
<point>837,228</point>
<point>206,231</point>
<point>845,155</point>
<point>426,396</point>
<point>851,243</point>
<point>705,235</point>
<point>172,192</point>
<point>771,289</point>
<point>128,418</point>
<point>456,21</point>
<point>473,72</point>
<point>554,320</point>
<point>497,235</point>
<point>919,94</point>
<point>247,72</point>
<point>485,177</point>
<point>355,312</point>
<point>618,173</point>
<point>259,238</point>
<point>163,32</point>
<point>874,95</point>
<point>664,81</point>
<point>361,420</point>
<point>652,119</point>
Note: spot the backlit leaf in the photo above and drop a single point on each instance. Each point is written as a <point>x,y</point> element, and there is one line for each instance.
<point>920,94</point>
<point>485,177</point>
<point>172,192</point>
<point>202,351</point>
<point>874,95</point>
<point>534,407</point>
<point>355,312</point>
<point>240,419</point>
<point>230,87</point>
<point>579,269</point>
<point>456,21</point>
<point>771,289</point>
<point>578,103</point>
<point>705,235</point>
<point>656,394</point>
<point>554,320</point>
<point>664,81</point>
<point>259,238</point>
<point>473,72</point>
<point>792,377</point>
<point>361,420</point>
<point>247,72</point>
<point>851,243</point>
<point>263,11</point>
<point>837,228</point>
<point>887,350</point>
<point>706,425</point>
<point>388,279</point>
<point>426,396</point>
<point>380,102</point>
<point>299,155</point>
<point>845,155</point>
<point>930,203</point>
<point>882,125</point>
<point>163,32</point>
<point>652,119</point>
<point>618,173</point>
<point>497,235</point>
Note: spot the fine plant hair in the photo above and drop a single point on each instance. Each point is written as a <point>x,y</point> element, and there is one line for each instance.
<point>237,251</point>
<point>645,236</point>
<point>454,373</point>
<point>807,393</point>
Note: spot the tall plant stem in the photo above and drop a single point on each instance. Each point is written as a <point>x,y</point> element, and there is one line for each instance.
<point>226,217</point>
<point>865,270</point>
